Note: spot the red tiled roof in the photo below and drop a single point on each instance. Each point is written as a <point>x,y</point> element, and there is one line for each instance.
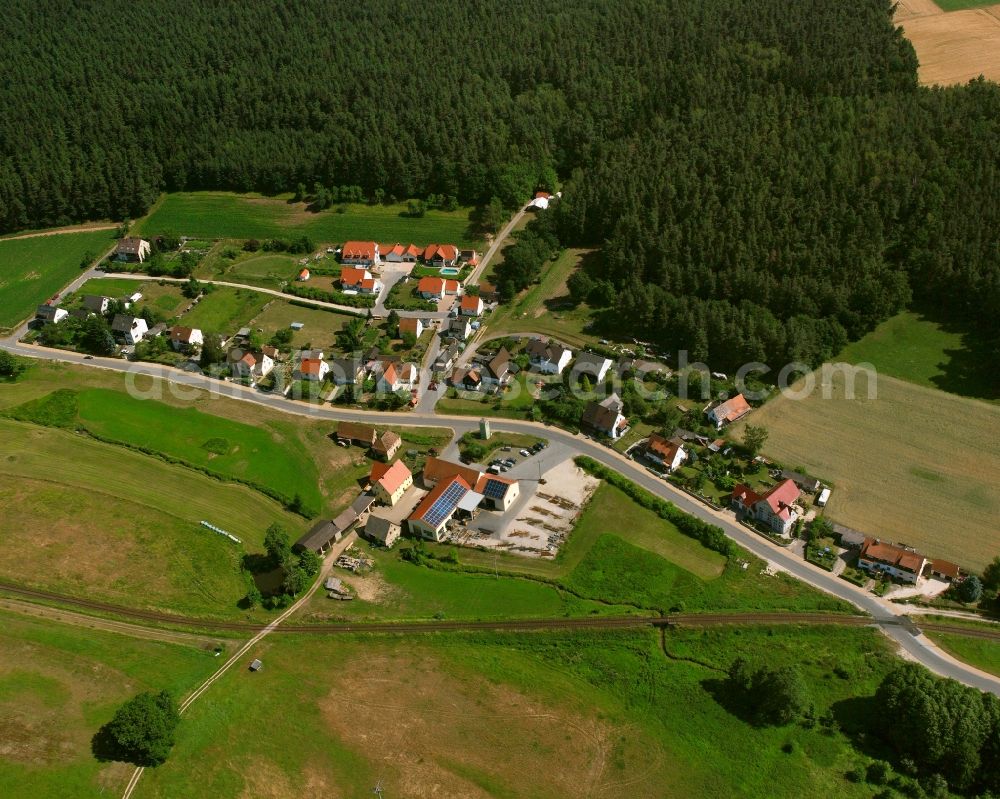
<point>430,285</point>
<point>310,366</point>
<point>872,549</point>
<point>451,286</point>
<point>390,477</point>
<point>368,283</point>
<point>353,276</point>
<point>663,447</point>
<point>389,375</point>
<point>732,409</point>
<point>544,195</point>
<point>470,302</point>
<point>947,568</point>
<point>437,470</point>
<point>745,495</point>
<point>409,325</point>
<point>446,252</point>
<point>359,249</point>
<point>781,498</point>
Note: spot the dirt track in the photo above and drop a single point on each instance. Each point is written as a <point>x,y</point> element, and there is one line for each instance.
<point>953,47</point>
<point>586,622</point>
<point>60,231</point>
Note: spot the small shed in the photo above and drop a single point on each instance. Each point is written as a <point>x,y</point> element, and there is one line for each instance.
<point>256,665</point>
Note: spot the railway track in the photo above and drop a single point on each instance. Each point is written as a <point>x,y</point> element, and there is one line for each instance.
<point>679,620</point>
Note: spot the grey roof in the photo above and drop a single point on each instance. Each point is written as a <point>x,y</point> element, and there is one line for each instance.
<point>849,536</point>
<point>320,535</point>
<point>379,528</point>
<point>95,301</point>
<point>362,503</point>
<point>803,481</point>
<point>590,361</point>
<point>123,323</point>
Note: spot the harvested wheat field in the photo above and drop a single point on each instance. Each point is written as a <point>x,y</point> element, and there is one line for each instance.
<point>953,46</point>
<point>915,465</point>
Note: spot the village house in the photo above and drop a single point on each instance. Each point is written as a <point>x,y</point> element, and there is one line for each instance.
<point>312,369</point>
<point>50,314</point>
<point>446,358</point>
<point>325,533</point>
<point>383,532</point>
<point>606,417</point>
<point>252,366</point>
<point>360,280</point>
<point>440,255</point>
<point>347,371</point>
<point>471,257</point>
<point>459,327</point>
<point>397,376</point>
<point>304,275</point>
<point>540,201</point>
<point>667,452</point>
<point>438,469</point>
<point>431,288</point>
<point>946,570</point>
<point>387,445</point>
<point>132,248</point>
<point>880,557</point>
<point>390,482</point>
<point>775,507</point>
<point>129,329</point>
<point>594,366</point>
<point>488,292</point>
<point>548,357</point>
<point>471,305</point>
<point>360,253</point>
<point>186,339</point>
<point>729,411</point>
<point>465,378</point>
<point>96,303</point>
<point>399,253</point>
<point>497,369</point>
<point>411,325</point>
<point>356,433</point>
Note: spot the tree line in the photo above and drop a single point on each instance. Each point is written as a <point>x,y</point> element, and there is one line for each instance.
<point>765,178</point>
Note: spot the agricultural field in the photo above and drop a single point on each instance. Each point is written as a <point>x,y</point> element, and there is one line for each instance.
<point>319,329</point>
<point>215,215</point>
<point>32,269</point>
<point>956,40</point>
<point>915,465</point>
<point>83,517</point>
<point>929,353</point>
<point>58,685</point>
<point>520,715</point>
<point>225,310</point>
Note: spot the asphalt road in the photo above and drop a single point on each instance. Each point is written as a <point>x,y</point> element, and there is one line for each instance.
<point>913,644</point>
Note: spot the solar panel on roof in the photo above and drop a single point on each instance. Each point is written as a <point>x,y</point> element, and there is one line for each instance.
<point>444,505</point>
<point>495,489</point>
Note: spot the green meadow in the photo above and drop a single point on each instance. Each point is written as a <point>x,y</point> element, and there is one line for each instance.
<point>33,269</point>
<point>222,215</point>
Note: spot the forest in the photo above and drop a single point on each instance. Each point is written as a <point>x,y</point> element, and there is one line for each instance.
<point>765,178</point>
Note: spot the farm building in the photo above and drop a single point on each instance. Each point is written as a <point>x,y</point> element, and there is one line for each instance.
<point>382,531</point>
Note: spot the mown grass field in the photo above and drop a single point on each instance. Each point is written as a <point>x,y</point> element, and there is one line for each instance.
<point>940,355</point>
<point>915,465</point>
<point>82,517</point>
<point>114,287</point>
<point>225,310</point>
<point>319,329</point>
<point>978,652</point>
<point>546,307</point>
<point>521,715</point>
<point>215,215</point>
<point>58,685</point>
<point>269,270</point>
<point>959,5</point>
<point>33,269</point>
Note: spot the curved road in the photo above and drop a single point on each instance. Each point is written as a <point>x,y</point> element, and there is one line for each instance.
<point>914,645</point>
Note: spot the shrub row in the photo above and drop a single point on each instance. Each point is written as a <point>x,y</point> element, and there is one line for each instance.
<point>336,297</point>
<point>709,535</point>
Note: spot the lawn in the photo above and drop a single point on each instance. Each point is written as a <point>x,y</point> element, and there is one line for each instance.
<point>979,652</point>
<point>115,287</point>
<point>915,465</point>
<point>267,269</point>
<point>520,715</point>
<point>58,685</point>
<point>80,516</point>
<point>33,269</point>
<point>319,329</point>
<point>225,310</point>
<point>936,354</point>
<point>397,589</point>
<point>215,215</point>
<point>546,308</point>
<point>959,5</point>
<point>258,456</point>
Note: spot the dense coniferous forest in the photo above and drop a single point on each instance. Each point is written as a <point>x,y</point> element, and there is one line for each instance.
<point>765,177</point>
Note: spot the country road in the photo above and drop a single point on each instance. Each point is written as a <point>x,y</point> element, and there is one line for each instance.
<point>916,647</point>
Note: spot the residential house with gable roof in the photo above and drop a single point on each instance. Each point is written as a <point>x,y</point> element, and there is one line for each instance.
<point>668,452</point>
<point>606,416</point>
<point>775,507</point>
<point>360,253</point>
<point>548,357</point>
<point>882,557</point>
<point>440,255</point>
<point>389,482</point>
<point>729,411</point>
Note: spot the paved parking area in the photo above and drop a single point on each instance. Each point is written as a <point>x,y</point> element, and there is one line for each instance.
<point>544,513</point>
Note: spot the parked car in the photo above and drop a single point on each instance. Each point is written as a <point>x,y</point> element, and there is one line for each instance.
<point>525,453</point>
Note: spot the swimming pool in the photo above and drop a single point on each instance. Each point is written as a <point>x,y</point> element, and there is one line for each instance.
<point>450,271</point>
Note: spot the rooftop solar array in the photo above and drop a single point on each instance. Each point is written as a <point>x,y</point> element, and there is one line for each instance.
<point>445,504</point>
<point>495,489</point>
